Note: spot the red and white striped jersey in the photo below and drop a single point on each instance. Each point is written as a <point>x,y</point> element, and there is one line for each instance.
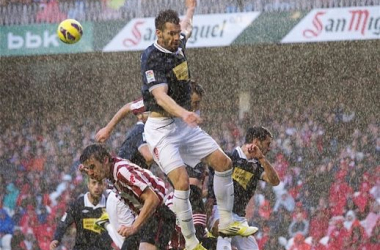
<point>131,180</point>
<point>137,106</point>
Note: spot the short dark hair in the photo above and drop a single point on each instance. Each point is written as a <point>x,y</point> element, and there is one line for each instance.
<point>166,16</point>
<point>98,151</point>
<point>197,88</point>
<point>256,132</point>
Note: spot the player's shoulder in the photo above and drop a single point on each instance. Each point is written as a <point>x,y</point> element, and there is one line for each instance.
<point>77,202</point>
<point>234,155</point>
<point>126,166</point>
<point>151,53</point>
<point>80,199</point>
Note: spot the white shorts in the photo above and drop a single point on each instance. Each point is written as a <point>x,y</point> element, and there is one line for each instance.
<point>173,143</point>
<point>242,243</point>
<point>119,214</point>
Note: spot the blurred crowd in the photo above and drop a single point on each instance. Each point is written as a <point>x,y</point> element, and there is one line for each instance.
<point>328,162</point>
<point>20,12</point>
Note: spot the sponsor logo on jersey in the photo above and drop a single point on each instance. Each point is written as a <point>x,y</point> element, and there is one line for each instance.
<point>181,71</point>
<point>132,179</point>
<point>89,224</point>
<point>85,211</point>
<point>242,177</point>
<point>149,76</point>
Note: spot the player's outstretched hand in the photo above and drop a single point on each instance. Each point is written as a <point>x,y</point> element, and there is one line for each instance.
<point>102,135</point>
<point>192,119</point>
<point>126,231</point>
<point>255,151</point>
<point>54,244</point>
<point>191,3</point>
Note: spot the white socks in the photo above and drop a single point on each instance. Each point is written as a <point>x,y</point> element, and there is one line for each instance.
<point>182,208</point>
<point>224,193</point>
<point>223,243</point>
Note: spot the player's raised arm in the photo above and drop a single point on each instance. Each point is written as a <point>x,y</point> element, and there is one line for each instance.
<point>151,202</point>
<point>104,133</point>
<point>187,21</point>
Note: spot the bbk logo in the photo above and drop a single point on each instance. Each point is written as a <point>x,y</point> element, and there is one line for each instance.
<point>31,40</point>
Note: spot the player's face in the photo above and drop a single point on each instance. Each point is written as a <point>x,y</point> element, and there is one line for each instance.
<point>169,37</point>
<point>265,146</point>
<point>95,169</point>
<point>96,187</point>
<point>195,101</point>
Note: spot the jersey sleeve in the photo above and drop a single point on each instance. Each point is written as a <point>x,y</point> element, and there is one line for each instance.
<point>154,72</point>
<point>66,221</point>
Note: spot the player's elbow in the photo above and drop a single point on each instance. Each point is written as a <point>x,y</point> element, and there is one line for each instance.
<point>275,182</point>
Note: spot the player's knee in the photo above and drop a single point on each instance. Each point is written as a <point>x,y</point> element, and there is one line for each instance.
<point>182,183</point>
<point>219,161</point>
<point>179,179</point>
<point>224,164</point>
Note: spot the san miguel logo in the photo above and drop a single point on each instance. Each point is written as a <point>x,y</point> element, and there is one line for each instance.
<point>136,33</point>
<point>208,31</point>
<point>337,24</point>
<point>359,21</point>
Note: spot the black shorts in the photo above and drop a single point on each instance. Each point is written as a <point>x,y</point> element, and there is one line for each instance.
<point>159,228</point>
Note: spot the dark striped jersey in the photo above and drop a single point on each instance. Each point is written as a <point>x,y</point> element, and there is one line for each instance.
<point>161,66</point>
<point>198,172</point>
<point>83,213</point>
<point>246,175</point>
<point>130,148</point>
<point>131,180</point>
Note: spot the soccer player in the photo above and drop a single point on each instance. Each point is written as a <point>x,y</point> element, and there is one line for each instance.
<point>140,189</point>
<point>172,131</point>
<point>197,177</point>
<point>249,167</point>
<point>83,212</point>
<point>134,147</point>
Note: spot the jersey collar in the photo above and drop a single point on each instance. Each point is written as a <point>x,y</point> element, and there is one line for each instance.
<point>87,202</point>
<point>243,156</point>
<point>160,48</point>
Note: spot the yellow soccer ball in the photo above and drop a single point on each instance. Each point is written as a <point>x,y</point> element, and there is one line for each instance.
<point>70,31</point>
